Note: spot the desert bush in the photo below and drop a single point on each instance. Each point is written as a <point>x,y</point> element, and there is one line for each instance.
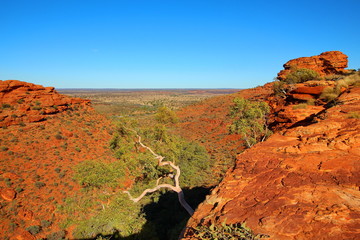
<point>4,149</point>
<point>34,229</point>
<point>56,235</point>
<point>39,184</point>
<point>311,102</point>
<point>329,94</point>
<point>45,223</point>
<point>301,75</point>
<point>280,89</point>
<point>19,189</point>
<point>122,216</point>
<point>36,108</point>
<point>5,105</point>
<point>250,120</point>
<point>333,77</point>
<point>58,136</point>
<point>235,231</point>
<point>165,115</point>
<point>97,173</point>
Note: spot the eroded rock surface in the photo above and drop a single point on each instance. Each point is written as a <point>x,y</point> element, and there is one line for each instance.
<point>327,63</point>
<point>299,184</point>
<point>23,102</point>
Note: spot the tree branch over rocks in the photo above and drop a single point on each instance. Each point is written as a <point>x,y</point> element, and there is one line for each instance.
<point>176,187</point>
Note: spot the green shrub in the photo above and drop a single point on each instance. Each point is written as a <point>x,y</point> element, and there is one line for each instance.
<point>165,115</point>
<point>4,149</point>
<point>36,108</point>
<point>5,105</point>
<point>34,229</point>
<point>20,101</point>
<point>280,89</point>
<point>122,216</point>
<point>19,189</point>
<point>58,136</point>
<point>40,184</point>
<point>329,94</point>
<point>225,231</point>
<point>56,235</point>
<point>250,120</point>
<point>97,173</point>
<point>45,223</point>
<point>301,75</point>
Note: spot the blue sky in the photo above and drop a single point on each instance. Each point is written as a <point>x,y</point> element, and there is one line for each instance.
<point>169,43</point>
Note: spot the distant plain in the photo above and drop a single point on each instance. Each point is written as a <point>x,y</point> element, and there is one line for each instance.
<point>134,102</point>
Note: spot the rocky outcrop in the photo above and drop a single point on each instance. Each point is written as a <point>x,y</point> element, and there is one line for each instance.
<point>327,63</point>
<point>302,183</point>
<point>23,102</point>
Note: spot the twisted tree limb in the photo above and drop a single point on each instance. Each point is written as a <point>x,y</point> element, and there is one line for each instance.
<point>176,188</point>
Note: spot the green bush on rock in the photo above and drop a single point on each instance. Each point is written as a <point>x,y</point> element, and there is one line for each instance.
<point>301,75</point>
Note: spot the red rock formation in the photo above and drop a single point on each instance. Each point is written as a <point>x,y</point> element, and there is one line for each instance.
<point>327,63</point>
<point>300,184</point>
<point>23,102</point>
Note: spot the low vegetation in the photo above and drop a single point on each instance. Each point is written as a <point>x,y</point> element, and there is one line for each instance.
<point>330,94</point>
<point>301,75</point>
<point>250,120</point>
<point>224,231</point>
<point>108,180</point>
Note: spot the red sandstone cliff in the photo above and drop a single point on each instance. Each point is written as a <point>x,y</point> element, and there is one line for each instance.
<point>327,63</point>
<point>302,183</point>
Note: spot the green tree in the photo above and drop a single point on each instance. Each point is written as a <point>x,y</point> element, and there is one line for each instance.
<point>250,120</point>
<point>165,115</point>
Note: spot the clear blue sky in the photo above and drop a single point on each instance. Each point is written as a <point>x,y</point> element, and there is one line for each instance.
<point>169,43</point>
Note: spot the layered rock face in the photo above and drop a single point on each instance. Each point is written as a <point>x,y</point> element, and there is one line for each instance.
<point>302,183</point>
<point>327,63</point>
<point>23,102</point>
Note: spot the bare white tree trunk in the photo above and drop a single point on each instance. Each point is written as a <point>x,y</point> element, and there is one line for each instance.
<point>176,187</point>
